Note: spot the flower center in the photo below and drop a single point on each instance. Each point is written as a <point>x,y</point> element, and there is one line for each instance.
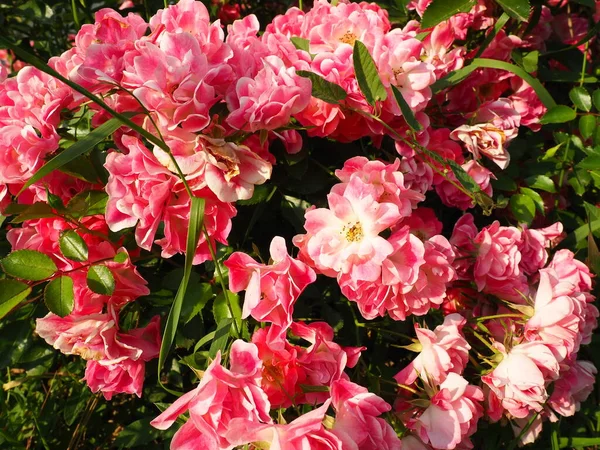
<point>354,232</point>
<point>349,38</point>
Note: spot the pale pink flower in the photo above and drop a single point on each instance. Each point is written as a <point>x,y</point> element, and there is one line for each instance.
<point>430,288</point>
<point>443,351</point>
<point>398,59</point>
<point>345,238</point>
<point>231,171</point>
<point>555,321</point>
<point>573,387</point>
<point>271,290</point>
<point>452,415</point>
<point>356,422</point>
<point>519,382</point>
<point>410,442</point>
<point>329,27</point>
<point>222,396</point>
<point>76,334</point>
<point>572,271</point>
<point>438,50</point>
<point>486,139</point>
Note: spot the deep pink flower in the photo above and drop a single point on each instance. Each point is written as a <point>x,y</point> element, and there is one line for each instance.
<point>305,432</point>
<point>387,179</point>
<point>452,196</point>
<point>271,290</point>
<point>268,100</point>
<point>356,422</point>
<point>222,396</point>
<point>496,269</point>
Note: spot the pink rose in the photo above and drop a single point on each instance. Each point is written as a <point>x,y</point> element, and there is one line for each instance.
<point>573,387</point>
<point>268,100</point>
<point>452,415</point>
<point>305,432</point>
<point>222,396</point>
<point>443,350</point>
<point>356,422</point>
<point>345,238</point>
<point>272,290</point>
<point>518,383</point>
<point>496,269</point>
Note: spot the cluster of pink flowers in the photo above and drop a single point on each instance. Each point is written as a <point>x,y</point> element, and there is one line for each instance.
<point>404,274</point>
<point>218,100</point>
<point>115,358</point>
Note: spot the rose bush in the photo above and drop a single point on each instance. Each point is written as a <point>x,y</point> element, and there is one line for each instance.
<point>338,227</point>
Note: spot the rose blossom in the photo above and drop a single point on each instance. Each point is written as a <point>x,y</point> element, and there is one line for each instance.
<point>345,238</point>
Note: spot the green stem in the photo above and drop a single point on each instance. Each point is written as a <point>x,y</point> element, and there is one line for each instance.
<point>221,281</point>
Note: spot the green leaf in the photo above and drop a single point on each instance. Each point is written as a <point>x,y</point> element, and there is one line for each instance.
<point>578,442</point>
<point>101,280</point>
<point>367,74</point>
<point>558,114</point>
<point>221,308</point>
<point>137,433</point>
<point>596,99</point>
<point>590,162</point>
<point>29,265</point>
<point>453,78</point>
<point>491,35</point>
<point>59,296</point>
<point>322,89</point>
<point>77,149</point>
<point>87,203</point>
<point>12,292</point>
<point>581,98</point>
<point>406,111</point>
<point>72,246</point>
<point>530,61</point>
<point>221,337</point>
<point>536,197</point>
<point>593,258</point>
<point>193,236</point>
<point>440,10</point>
<point>261,194</point>
<point>522,207</point>
<point>301,43</point>
<point>541,182</point>
<point>517,9</point>
<point>39,210</point>
<point>587,125</point>
<point>540,90</point>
